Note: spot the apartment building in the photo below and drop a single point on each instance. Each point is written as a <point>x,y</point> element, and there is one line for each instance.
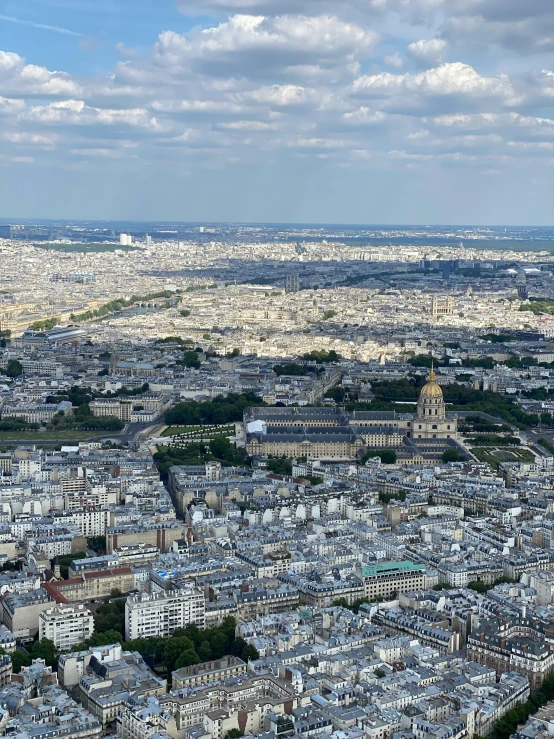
<point>161,614</point>
<point>95,584</point>
<point>208,672</point>
<point>20,612</point>
<point>92,564</point>
<point>243,703</point>
<point>509,646</point>
<point>121,408</point>
<point>42,413</point>
<point>66,625</point>
<point>89,520</point>
<point>136,554</point>
<point>387,579</point>
<point>7,640</point>
<point>151,403</point>
<point>145,718</point>
<point>112,679</point>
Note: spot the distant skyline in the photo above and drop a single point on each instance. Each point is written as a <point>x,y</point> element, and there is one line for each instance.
<point>278,111</point>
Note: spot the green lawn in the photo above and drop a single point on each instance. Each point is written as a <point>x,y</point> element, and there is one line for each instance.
<point>177,430</point>
<point>509,454</point>
<point>200,432</point>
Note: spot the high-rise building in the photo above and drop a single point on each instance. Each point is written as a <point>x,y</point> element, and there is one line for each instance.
<point>125,239</point>
<point>66,625</point>
<point>161,614</point>
<point>148,240</point>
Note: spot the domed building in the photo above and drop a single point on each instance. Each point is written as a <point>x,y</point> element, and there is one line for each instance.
<point>432,420</point>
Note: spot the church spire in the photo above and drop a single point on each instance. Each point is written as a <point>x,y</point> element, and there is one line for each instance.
<point>432,374</point>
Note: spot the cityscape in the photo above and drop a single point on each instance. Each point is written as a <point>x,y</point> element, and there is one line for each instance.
<point>276,369</point>
<point>264,480</point>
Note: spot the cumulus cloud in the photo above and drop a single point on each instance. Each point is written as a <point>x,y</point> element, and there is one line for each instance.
<point>125,51</point>
<point>304,78</point>
<point>526,26</point>
<point>19,80</point>
<point>447,86</point>
<point>394,60</point>
<point>258,45</point>
<point>427,53</point>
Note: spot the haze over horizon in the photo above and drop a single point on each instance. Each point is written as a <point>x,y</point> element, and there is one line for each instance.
<point>273,111</point>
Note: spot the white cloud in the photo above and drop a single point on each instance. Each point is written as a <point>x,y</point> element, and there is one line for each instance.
<point>519,25</point>
<point>256,46</point>
<point>18,79</point>
<point>449,85</point>
<point>394,60</point>
<point>291,76</point>
<point>125,51</point>
<point>427,53</point>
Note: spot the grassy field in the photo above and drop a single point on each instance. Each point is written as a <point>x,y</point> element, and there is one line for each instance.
<point>200,432</point>
<point>178,430</point>
<point>494,456</point>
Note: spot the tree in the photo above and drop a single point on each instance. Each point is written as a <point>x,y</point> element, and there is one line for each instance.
<point>99,639</point>
<point>83,412</point>
<point>221,447</point>
<point>187,658</point>
<point>190,359</point>
<point>174,649</point>
<point>291,369</point>
<point>280,466</point>
<point>98,543</point>
<point>44,649</point>
<point>234,734</point>
<point>204,651</point>
<point>19,660</point>
<point>451,455</point>
<point>478,586</point>
<point>249,653</point>
<point>218,643</point>
<point>338,394</point>
<point>14,368</point>
<point>387,456</point>
<point>379,673</point>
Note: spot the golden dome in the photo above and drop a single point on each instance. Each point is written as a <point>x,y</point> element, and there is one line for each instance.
<point>431,389</point>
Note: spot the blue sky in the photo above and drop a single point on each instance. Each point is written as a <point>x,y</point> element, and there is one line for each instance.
<point>358,111</point>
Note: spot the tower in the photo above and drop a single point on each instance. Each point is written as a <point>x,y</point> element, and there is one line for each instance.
<point>442,307</point>
<point>521,284</point>
<point>292,284</point>
<point>431,400</point>
<point>432,420</point>
<point>114,359</point>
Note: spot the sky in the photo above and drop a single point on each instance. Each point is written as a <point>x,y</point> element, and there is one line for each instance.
<point>314,111</point>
